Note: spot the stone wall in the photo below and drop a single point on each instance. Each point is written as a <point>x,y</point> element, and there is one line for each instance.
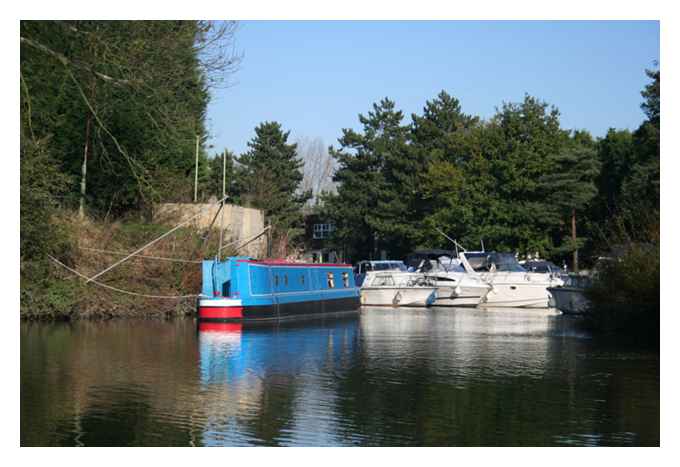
<point>239,223</point>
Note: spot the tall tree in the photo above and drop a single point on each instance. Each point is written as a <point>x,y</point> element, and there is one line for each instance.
<point>571,186</point>
<point>272,173</point>
<point>378,177</point>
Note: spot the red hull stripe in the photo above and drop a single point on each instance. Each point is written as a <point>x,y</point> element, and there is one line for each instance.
<point>220,312</point>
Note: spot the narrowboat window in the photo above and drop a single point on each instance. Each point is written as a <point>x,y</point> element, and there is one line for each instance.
<point>331,282</point>
<point>285,279</point>
<point>302,280</point>
<point>276,280</point>
<point>345,279</point>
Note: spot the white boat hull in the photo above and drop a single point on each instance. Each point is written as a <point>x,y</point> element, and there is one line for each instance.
<point>460,296</point>
<point>519,290</point>
<point>459,289</point>
<point>398,296</point>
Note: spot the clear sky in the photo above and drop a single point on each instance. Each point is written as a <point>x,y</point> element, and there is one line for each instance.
<point>316,77</point>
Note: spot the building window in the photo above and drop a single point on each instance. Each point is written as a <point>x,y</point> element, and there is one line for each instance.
<point>323,230</point>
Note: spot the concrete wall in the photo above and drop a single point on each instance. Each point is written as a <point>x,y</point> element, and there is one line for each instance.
<point>239,223</point>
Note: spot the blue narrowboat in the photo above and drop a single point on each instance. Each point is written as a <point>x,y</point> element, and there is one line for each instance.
<point>244,289</point>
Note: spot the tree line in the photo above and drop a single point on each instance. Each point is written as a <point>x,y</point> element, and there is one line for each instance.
<point>112,114</point>
<point>517,181</point>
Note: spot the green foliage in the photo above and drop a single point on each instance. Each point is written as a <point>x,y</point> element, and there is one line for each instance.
<point>485,181</point>
<point>380,180</point>
<point>625,295</point>
<point>233,177</point>
<point>123,99</point>
<point>40,187</point>
<point>129,95</point>
<point>270,181</point>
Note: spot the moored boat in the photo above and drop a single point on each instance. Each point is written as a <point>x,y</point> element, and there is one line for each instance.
<point>364,267</point>
<point>511,285</point>
<point>455,286</point>
<point>570,298</point>
<point>393,288</point>
<point>244,289</point>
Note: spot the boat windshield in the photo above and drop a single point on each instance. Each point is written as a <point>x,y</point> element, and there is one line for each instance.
<point>389,266</point>
<point>505,262</point>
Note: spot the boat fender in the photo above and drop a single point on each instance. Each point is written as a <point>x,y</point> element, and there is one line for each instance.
<point>396,299</point>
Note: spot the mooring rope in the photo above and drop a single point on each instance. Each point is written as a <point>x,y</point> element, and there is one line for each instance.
<point>248,240</point>
<point>116,289</point>
<point>160,258</point>
<point>139,250</point>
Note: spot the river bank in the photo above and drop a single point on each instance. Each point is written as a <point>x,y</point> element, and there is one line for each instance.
<point>149,285</point>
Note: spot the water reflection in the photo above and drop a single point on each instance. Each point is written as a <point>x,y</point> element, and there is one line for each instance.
<point>389,377</point>
<point>257,380</point>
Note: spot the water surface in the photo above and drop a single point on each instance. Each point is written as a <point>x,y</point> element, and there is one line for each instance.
<point>389,377</point>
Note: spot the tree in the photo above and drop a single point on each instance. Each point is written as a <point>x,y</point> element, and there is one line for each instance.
<point>123,101</point>
<point>272,174</point>
<point>318,168</point>
<point>231,175</point>
<point>484,184</point>
<point>375,207</point>
<point>571,186</point>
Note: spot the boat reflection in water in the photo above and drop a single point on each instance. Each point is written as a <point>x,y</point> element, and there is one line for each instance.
<point>258,382</point>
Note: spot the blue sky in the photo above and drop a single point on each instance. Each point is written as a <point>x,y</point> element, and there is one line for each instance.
<point>316,77</point>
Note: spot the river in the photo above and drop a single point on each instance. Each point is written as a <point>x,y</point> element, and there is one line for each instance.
<point>388,377</point>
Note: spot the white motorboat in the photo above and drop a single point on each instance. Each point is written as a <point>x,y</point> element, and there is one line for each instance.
<point>511,284</point>
<point>455,286</point>
<point>395,288</point>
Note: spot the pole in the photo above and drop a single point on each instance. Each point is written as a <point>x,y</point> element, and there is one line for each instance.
<point>269,239</point>
<point>224,195</point>
<point>196,172</point>
<point>573,238</point>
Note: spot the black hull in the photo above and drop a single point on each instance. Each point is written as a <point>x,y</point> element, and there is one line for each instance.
<point>294,311</point>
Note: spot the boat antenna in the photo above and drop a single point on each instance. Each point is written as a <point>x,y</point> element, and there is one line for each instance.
<point>457,245</point>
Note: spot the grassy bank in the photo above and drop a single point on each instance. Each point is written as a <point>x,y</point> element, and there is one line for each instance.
<point>49,291</point>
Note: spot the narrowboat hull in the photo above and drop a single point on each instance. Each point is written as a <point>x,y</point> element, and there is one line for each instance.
<point>244,290</point>
<point>208,310</point>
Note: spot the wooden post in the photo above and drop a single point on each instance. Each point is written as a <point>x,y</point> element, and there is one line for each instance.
<point>196,171</point>
<point>573,238</point>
